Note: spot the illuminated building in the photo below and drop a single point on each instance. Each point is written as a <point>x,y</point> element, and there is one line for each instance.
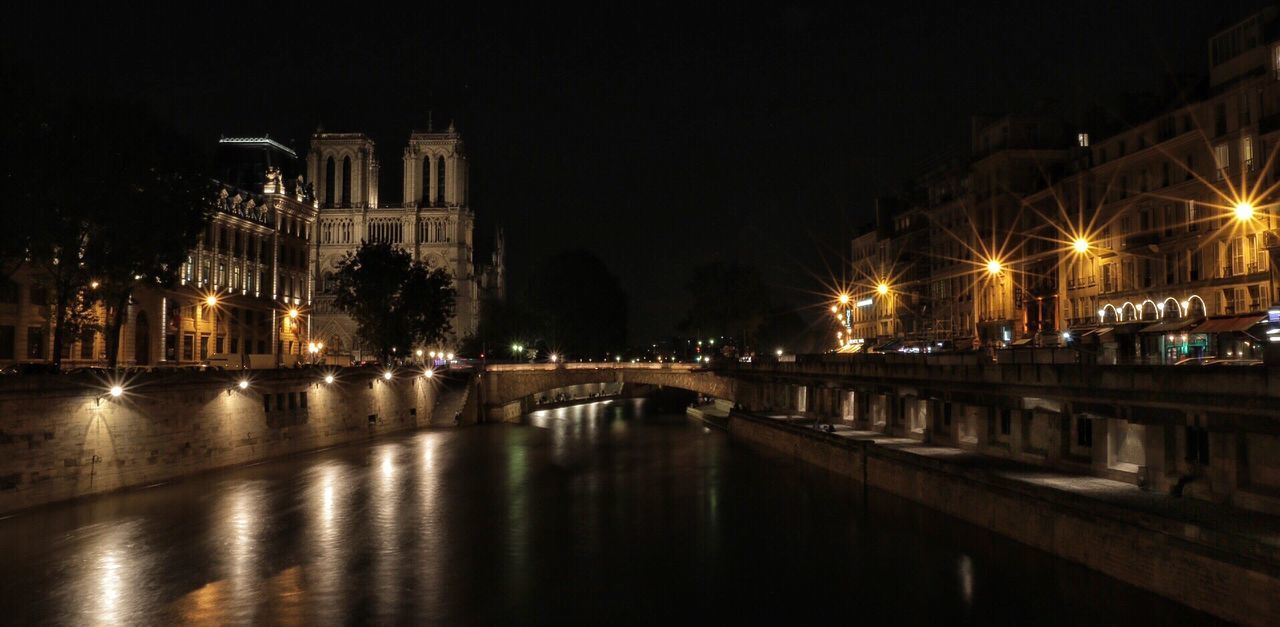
<point>434,222</point>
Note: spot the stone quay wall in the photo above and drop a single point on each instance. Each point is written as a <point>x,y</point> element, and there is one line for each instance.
<point>64,437</point>
<point>1182,562</point>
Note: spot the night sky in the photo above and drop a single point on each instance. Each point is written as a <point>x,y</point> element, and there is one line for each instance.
<point>656,136</point>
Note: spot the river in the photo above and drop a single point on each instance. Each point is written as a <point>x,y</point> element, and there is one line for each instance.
<point>603,513</point>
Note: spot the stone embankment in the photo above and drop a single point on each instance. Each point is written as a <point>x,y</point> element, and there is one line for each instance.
<point>1218,559</point>
<point>63,437</point>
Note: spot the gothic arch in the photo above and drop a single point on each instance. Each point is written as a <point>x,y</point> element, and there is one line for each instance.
<point>330,180</point>
<point>440,178</point>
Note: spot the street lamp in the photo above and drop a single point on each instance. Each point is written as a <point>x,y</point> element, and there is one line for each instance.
<point>994,266</point>
<point>882,288</point>
<point>844,299</point>
<point>1244,211</point>
<point>116,391</point>
<point>1080,245</point>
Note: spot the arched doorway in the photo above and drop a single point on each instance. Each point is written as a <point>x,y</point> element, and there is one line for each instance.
<point>141,340</point>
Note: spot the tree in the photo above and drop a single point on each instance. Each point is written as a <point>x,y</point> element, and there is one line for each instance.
<point>729,299</point>
<point>580,304</point>
<point>394,300</point>
<point>112,200</point>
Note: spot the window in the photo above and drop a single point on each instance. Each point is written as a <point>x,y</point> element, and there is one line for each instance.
<point>329,182</point>
<point>1084,432</point>
<point>1197,445</point>
<point>1275,62</point>
<point>86,344</point>
<point>204,347</point>
<point>1221,159</point>
<point>346,181</point>
<point>6,342</point>
<point>39,296</point>
<point>302,400</point>
<point>1006,421</point>
<point>35,343</point>
<point>279,400</point>
<point>1083,140</point>
<point>8,291</point>
<point>266,403</point>
<point>440,180</point>
<point>188,347</point>
<point>1219,118</point>
<point>1246,152</point>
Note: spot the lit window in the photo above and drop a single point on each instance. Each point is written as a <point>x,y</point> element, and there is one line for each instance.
<point>1246,152</point>
<point>1221,159</point>
<point>1083,138</point>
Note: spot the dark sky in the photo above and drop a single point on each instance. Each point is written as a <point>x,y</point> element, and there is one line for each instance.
<point>658,136</point>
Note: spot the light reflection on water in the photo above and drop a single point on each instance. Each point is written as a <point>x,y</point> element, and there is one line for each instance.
<point>599,513</point>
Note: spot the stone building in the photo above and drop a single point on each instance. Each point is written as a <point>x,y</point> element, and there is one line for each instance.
<point>1153,242</point>
<point>241,296</point>
<point>433,221</point>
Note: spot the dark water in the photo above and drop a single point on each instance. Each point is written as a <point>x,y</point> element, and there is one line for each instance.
<point>599,514</point>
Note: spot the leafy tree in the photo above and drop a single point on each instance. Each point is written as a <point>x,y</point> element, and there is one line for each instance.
<point>728,299</point>
<point>394,300</point>
<point>580,304</point>
<point>111,201</point>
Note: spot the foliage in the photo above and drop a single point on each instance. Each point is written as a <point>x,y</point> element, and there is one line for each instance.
<point>110,196</point>
<point>394,300</point>
<point>728,299</point>
<point>572,305</point>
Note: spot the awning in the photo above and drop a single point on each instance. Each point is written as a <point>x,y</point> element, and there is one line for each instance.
<point>1126,328</point>
<point>1022,342</point>
<point>851,348</point>
<point>1170,326</point>
<point>1230,324</point>
<point>891,345</point>
<point>1097,332</point>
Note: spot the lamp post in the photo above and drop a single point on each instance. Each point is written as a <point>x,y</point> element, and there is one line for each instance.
<point>211,304</point>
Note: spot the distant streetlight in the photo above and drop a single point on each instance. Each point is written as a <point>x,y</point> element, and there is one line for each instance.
<point>244,384</point>
<point>328,378</point>
<point>882,289</point>
<point>386,375</point>
<point>779,352</point>
<point>994,266</point>
<point>844,299</point>
<point>211,301</point>
<point>293,313</point>
<point>116,391</point>
<point>1081,245</point>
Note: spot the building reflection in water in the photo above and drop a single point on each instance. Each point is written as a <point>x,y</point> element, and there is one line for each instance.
<point>327,504</point>
<point>432,538</point>
<point>109,588</point>
<point>385,509</point>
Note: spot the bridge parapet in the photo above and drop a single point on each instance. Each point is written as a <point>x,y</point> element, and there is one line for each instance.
<point>502,384</point>
<point>1247,390</point>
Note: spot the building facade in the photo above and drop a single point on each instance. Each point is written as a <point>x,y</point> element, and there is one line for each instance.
<point>1153,244</point>
<point>241,297</point>
<point>434,222</point>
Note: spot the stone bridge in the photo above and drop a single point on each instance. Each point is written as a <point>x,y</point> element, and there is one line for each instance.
<point>500,386</point>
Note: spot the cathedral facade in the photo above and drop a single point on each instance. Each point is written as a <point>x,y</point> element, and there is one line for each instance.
<point>433,221</point>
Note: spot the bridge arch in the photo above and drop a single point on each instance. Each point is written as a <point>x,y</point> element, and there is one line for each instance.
<point>501,385</point>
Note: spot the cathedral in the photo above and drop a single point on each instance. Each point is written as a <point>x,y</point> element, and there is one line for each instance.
<point>433,221</point>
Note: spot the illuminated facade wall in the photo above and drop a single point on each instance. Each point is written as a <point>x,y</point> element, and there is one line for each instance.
<point>252,259</point>
<point>434,221</point>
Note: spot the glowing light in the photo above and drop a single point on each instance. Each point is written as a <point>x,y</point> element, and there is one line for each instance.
<point>428,373</point>
<point>833,310</point>
<point>328,378</point>
<point>386,375</point>
<point>244,384</point>
<point>779,352</point>
<point>1244,211</point>
<point>1081,245</point>
<point>449,357</point>
<point>432,354</point>
<point>418,352</point>
<point>554,357</point>
<point>293,313</point>
<point>882,289</point>
<point>93,285</point>
<point>844,299</point>
<point>211,301</point>
<point>994,266</point>
<point>116,391</point>
<point>1066,336</point>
